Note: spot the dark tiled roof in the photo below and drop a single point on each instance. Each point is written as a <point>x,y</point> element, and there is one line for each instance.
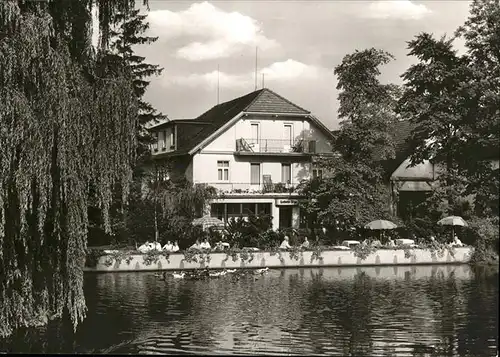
<point>401,134</point>
<point>402,137</point>
<point>271,102</point>
<point>192,132</point>
<point>402,145</point>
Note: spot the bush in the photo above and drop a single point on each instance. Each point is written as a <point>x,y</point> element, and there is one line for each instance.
<point>270,239</point>
<point>486,245</point>
<point>243,232</point>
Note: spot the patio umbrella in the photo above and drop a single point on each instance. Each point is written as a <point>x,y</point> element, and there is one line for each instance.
<point>453,221</point>
<point>380,225</point>
<point>207,221</point>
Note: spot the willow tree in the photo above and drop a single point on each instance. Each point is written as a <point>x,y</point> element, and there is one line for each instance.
<point>67,135</point>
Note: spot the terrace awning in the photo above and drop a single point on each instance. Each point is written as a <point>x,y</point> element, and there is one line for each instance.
<point>415,186</point>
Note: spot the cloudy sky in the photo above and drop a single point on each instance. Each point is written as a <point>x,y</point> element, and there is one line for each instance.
<point>299,43</point>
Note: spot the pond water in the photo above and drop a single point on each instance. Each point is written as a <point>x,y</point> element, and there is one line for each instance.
<point>389,311</point>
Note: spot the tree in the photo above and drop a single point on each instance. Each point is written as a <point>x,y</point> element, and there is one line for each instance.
<point>367,108</point>
<point>180,202</point>
<point>67,127</point>
<point>351,195</point>
<point>129,32</point>
<point>454,100</point>
<point>353,192</point>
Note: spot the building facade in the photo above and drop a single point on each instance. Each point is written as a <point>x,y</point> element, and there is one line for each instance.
<point>254,150</point>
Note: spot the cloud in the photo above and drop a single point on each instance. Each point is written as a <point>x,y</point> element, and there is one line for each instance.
<point>397,9</point>
<point>209,80</point>
<point>214,33</point>
<point>280,72</point>
<point>290,69</point>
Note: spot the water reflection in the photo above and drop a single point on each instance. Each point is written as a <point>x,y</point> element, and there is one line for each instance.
<point>402,311</point>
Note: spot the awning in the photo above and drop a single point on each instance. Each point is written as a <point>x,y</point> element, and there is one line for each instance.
<point>415,186</point>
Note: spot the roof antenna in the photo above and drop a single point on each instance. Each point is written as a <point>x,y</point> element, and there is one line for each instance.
<point>218,84</point>
<point>256,49</point>
<point>263,80</point>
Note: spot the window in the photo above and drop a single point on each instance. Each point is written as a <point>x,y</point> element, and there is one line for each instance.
<point>287,134</point>
<point>254,129</point>
<point>161,140</point>
<point>286,173</point>
<point>223,170</point>
<point>249,209</point>
<point>317,172</point>
<point>165,139</point>
<point>172,139</point>
<point>217,210</point>
<point>312,146</point>
<point>255,174</point>
<point>155,142</point>
<point>304,218</point>
<point>161,173</point>
<point>234,209</point>
<point>263,208</point>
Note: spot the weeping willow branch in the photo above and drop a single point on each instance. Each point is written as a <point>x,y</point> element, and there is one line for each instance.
<point>64,137</point>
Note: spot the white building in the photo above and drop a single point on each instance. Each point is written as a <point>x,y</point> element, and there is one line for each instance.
<point>254,149</point>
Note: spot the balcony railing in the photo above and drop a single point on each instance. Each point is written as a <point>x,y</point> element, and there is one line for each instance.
<point>247,187</point>
<point>276,146</point>
<point>155,148</point>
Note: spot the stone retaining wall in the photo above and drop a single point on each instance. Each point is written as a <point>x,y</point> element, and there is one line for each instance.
<point>262,259</point>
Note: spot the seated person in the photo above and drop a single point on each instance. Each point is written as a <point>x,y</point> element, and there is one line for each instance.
<point>390,243</point>
<point>219,246</point>
<point>285,244</point>
<point>144,248</point>
<point>168,247</point>
<point>196,245</point>
<point>457,242</point>
<point>156,246</point>
<point>376,243</point>
<point>175,247</point>
<point>205,244</point>
<point>305,244</point>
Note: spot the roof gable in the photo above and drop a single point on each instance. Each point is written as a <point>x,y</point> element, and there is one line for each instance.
<point>269,102</point>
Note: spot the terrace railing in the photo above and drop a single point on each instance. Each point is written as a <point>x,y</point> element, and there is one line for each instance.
<point>277,146</point>
<point>255,188</point>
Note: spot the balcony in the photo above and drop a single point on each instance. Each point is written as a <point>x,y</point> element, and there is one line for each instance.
<point>275,147</point>
<point>251,188</point>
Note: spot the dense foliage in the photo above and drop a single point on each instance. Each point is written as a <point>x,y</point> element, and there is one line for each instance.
<point>454,101</point>
<point>67,132</point>
<point>354,192</point>
<point>250,232</point>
